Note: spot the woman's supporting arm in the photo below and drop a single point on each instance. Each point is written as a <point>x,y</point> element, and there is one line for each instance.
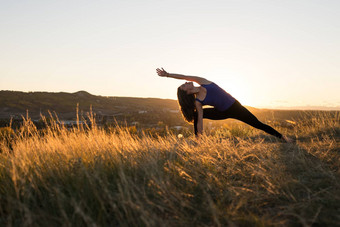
<point>199,80</point>
<point>198,120</point>
<point>195,123</point>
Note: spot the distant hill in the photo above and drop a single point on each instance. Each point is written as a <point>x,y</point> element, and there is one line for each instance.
<point>16,103</point>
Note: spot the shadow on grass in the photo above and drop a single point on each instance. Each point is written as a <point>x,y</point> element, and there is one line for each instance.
<point>312,194</point>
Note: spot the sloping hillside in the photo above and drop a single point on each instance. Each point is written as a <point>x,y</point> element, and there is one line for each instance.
<point>15,103</point>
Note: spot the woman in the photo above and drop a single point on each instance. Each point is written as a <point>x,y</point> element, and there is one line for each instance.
<point>192,99</point>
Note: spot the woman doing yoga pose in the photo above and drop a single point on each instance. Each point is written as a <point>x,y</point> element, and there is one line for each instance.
<point>191,100</point>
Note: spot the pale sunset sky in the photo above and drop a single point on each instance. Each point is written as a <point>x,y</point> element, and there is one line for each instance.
<point>266,53</point>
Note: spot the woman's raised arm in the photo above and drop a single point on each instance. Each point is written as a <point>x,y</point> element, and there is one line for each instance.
<point>199,80</point>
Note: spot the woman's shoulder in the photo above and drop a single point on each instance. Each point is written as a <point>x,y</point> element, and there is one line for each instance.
<point>201,81</point>
<point>207,83</point>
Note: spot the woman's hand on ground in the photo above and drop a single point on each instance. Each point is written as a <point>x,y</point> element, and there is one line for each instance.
<point>162,72</point>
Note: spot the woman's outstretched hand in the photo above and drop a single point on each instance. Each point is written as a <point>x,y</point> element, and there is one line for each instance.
<point>162,72</point>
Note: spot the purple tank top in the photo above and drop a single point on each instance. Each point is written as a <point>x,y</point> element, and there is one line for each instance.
<point>217,97</point>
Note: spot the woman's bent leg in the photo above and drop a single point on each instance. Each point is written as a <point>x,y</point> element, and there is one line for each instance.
<point>214,114</point>
<point>209,113</point>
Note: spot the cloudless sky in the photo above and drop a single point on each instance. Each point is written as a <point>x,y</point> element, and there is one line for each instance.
<point>265,53</point>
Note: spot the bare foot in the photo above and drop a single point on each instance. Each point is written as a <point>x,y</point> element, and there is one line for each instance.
<point>287,139</point>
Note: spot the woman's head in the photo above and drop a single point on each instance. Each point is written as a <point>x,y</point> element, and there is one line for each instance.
<point>186,101</point>
<point>188,87</point>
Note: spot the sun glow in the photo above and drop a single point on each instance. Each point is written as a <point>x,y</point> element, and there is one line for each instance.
<point>240,91</point>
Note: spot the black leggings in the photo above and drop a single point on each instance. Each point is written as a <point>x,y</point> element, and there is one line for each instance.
<point>239,112</point>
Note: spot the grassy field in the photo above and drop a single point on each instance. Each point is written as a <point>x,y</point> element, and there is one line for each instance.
<point>234,176</point>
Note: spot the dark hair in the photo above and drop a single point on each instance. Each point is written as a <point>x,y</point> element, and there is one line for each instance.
<point>187,104</point>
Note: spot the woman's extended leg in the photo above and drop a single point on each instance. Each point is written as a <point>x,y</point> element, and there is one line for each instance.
<point>239,112</point>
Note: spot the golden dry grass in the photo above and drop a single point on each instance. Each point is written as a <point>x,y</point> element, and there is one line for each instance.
<point>236,176</point>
